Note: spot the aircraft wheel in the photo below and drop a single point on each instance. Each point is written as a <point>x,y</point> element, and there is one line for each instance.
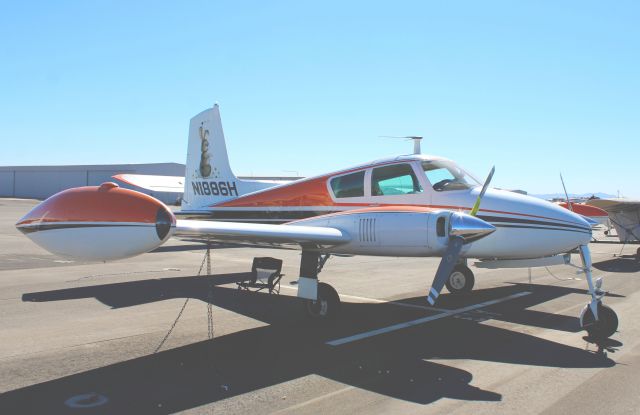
<point>326,306</point>
<point>606,233</point>
<point>606,325</point>
<point>638,255</point>
<point>461,280</point>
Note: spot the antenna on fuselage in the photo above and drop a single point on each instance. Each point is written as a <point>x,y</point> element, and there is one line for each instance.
<point>415,138</point>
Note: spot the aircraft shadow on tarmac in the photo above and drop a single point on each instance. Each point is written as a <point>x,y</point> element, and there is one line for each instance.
<point>268,308</point>
<point>624,263</point>
<point>398,364</point>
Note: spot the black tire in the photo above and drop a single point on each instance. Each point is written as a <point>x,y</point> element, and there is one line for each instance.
<point>327,306</point>
<point>461,280</point>
<point>638,254</point>
<point>606,325</point>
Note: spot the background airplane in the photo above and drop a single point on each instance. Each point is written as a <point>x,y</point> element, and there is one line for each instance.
<point>413,205</point>
<point>624,214</point>
<point>597,215</point>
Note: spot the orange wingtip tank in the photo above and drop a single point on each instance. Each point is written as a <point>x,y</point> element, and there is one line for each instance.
<point>98,223</point>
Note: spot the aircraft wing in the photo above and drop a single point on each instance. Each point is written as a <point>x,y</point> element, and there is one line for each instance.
<point>624,214</point>
<point>170,184</point>
<point>615,205</point>
<point>255,232</point>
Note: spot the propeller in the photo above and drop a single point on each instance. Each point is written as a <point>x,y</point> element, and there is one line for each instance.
<point>592,222</point>
<point>416,141</point>
<point>463,228</point>
<point>485,186</point>
<point>566,194</point>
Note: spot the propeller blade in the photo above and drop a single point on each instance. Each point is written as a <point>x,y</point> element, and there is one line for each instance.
<point>566,194</point>
<point>463,229</point>
<point>485,186</point>
<point>449,260</point>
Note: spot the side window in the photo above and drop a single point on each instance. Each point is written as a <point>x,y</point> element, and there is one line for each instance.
<point>349,185</point>
<point>397,179</point>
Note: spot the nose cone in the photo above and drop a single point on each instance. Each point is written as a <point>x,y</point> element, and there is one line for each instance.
<point>529,227</point>
<point>469,227</point>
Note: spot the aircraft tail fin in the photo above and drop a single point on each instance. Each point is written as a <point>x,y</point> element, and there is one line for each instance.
<point>209,179</point>
<point>208,176</point>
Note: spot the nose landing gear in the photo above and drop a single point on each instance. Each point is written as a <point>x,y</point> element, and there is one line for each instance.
<point>461,280</point>
<point>602,328</point>
<point>600,321</point>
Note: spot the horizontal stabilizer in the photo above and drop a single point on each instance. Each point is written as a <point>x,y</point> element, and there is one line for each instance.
<point>169,184</point>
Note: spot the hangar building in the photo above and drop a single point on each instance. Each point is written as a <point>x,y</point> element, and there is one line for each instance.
<point>40,182</point>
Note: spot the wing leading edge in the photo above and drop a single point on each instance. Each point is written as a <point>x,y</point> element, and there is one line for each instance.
<point>255,232</point>
<point>169,184</point>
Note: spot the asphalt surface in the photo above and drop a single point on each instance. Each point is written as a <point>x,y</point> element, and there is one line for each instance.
<point>81,337</point>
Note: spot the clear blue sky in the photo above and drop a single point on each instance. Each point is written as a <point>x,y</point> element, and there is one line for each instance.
<point>533,87</point>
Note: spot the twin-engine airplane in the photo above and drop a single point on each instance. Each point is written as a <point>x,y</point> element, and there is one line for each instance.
<point>406,206</point>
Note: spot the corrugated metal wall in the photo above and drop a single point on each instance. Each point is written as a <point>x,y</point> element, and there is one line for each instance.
<point>40,182</point>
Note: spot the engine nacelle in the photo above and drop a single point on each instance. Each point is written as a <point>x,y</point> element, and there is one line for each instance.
<point>401,231</point>
<point>98,223</point>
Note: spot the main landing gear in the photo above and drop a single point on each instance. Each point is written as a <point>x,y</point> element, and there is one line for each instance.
<point>600,321</point>
<point>461,279</point>
<point>322,301</point>
<point>327,304</point>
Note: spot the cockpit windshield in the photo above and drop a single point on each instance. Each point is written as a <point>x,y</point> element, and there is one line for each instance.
<point>445,175</point>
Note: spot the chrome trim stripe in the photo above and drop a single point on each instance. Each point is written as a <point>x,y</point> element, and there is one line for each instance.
<point>31,228</point>
<point>493,219</point>
<point>498,225</point>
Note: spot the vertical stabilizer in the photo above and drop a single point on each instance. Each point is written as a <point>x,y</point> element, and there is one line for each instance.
<point>208,176</point>
<point>209,179</point>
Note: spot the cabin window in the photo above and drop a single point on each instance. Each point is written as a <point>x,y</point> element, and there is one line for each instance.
<point>397,179</point>
<point>349,185</point>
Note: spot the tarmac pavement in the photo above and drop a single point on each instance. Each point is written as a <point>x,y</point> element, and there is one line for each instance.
<point>82,337</point>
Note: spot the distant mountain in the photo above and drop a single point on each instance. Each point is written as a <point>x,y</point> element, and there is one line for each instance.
<point>549,196</point>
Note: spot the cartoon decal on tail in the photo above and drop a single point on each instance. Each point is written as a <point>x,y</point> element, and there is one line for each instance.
<point>205,166</point>
<point>205,170</point>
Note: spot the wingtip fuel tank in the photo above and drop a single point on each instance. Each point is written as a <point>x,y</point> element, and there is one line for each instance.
<point>98,223</point>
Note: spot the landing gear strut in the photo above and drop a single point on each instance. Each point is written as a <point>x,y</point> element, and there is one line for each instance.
<point>322,300</point>
<point>600,321</point>
<point>461,280</point>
